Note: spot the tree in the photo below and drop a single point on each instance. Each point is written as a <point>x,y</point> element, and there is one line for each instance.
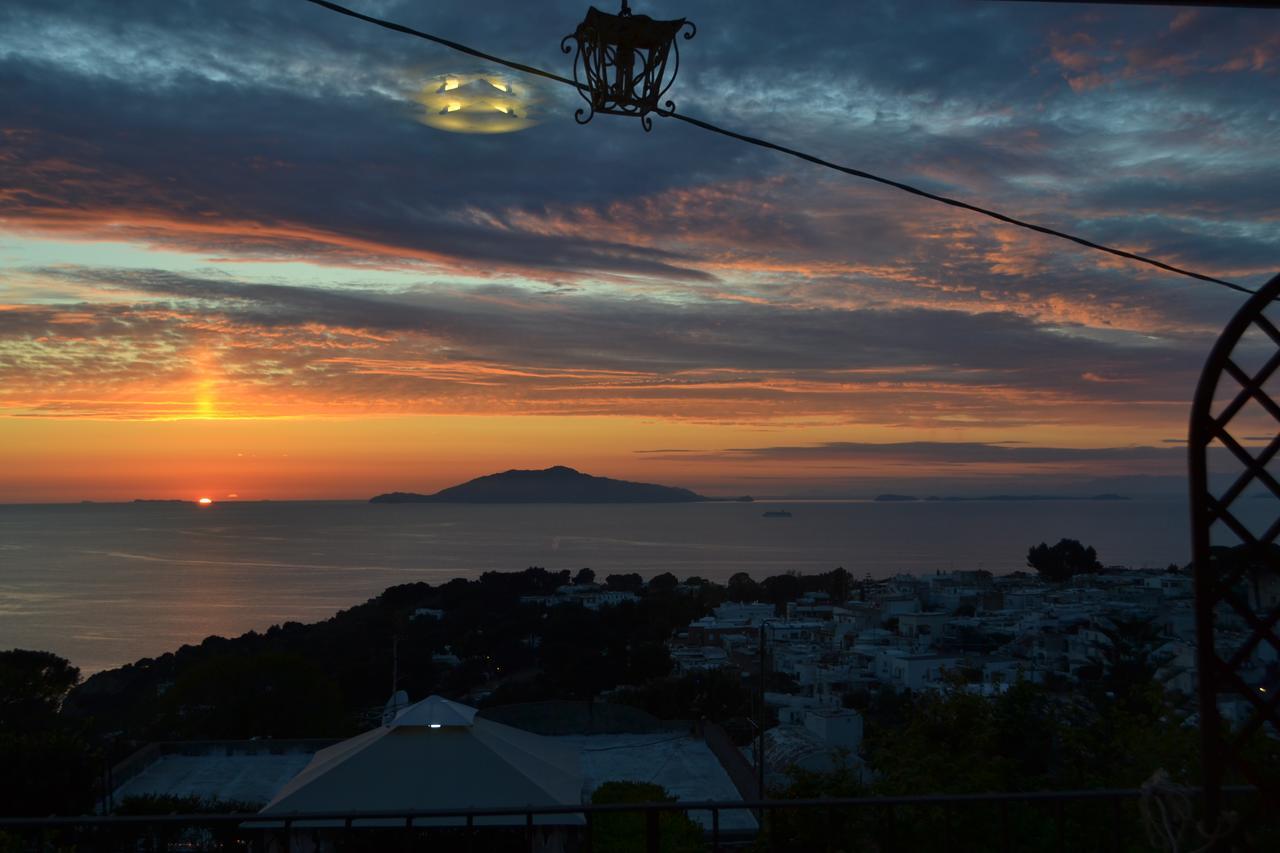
<point>1063,561</point>
<point>838,583</point>
<point>647,661</point>
<point>584,576</point>
<point>956,741</point>
<point>780,589</point>
<point>577,670</point>
<point>1126,663</point>
<point>743,588</point>
<point>269,694</point>
<point>629,582</point>
<point>717,695</point>
<point>946,743</point>
<point>49,767</point>
<point>840,829</point>
<point>32,687</point>
<point>624,832</point>
<point>665,582</point>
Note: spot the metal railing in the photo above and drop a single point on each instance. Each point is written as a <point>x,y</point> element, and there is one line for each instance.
<point>1103,820</point>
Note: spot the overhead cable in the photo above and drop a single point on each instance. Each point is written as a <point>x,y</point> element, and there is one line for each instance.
<point>782,149</point>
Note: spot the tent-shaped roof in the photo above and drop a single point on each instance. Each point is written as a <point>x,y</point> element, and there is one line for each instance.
<point>437,754</point>
<point>435,712</point>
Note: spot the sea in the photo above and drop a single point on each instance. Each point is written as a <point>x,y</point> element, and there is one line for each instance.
<point>108,584</point>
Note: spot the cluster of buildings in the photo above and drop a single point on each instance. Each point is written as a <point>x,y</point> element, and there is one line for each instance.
<point>963,629</point>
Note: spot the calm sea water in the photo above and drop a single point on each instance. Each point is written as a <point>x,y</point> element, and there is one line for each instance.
<point>106,584</point>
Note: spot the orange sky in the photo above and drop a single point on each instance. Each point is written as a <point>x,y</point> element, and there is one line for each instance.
<point>335,458</point>
<point>264,272</point>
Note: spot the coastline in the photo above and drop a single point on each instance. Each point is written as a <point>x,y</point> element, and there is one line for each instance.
<point>176,574</point>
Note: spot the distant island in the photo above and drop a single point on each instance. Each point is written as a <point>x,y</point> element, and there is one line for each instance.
<point>558,484</point>
<point>891,498</point>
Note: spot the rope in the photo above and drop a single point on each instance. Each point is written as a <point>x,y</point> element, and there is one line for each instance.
<point>792,152</point>
<point>1169,817</point>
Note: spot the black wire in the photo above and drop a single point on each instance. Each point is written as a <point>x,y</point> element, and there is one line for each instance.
<point>462,48</point>
<point>858,173</point>
<point>764,143</point>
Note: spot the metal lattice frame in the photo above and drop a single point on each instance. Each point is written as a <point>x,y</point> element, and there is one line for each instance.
<point>1218,578</point>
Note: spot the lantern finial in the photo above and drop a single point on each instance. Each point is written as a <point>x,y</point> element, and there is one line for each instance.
<point>622,64</point>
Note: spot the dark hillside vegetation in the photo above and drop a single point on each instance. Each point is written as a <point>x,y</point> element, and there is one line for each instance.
<point>330,678</point>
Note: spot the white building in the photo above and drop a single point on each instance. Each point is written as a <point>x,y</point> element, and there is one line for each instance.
<point>1171,586</point>
<point>1023,599</point>
<point>923,624</point>
<point>741,613</point>
<point>913,670</point>
<point>839,728</point>
<point>589,595</point>
<point>698,658</point>
<point>895,605</point>
<point>828,739</point>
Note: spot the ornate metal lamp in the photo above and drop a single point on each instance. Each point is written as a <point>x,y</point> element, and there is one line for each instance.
<point>621,66</point>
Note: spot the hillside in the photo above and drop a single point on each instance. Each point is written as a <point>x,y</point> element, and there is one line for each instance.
<point>558,484</point>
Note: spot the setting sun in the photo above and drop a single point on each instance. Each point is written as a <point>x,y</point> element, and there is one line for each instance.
<point>205,501</point>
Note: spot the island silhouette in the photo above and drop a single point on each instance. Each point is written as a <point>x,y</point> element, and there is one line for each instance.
<point>557,484</point>
<point>893,498</point>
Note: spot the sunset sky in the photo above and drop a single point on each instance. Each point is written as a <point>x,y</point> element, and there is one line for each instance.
<point>241,254</point>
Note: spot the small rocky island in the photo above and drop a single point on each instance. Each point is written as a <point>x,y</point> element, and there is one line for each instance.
<point>558,484</point>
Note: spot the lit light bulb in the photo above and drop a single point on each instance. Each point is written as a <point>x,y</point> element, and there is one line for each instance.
<point>477,103</point>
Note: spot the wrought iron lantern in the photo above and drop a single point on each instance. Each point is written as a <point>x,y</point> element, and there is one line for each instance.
<point>623,64</point>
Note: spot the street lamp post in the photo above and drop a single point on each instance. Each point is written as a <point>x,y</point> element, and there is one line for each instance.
<point>764,717</point>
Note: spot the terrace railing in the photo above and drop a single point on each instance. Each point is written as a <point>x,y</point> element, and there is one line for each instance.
<point>1109,821</point>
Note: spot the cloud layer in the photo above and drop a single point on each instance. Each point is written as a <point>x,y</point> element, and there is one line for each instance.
<point>235,210</point>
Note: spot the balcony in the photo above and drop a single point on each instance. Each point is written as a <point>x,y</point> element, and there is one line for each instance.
<point>1121,821</point>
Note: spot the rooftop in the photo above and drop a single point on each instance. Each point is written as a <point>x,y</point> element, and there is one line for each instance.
<point>248,773</point>
<point>682,764</point>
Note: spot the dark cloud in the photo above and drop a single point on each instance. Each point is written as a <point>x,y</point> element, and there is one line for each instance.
<point>709,279</point>
<point>955,453</point>
<point>468,348</point>
<point>850,468</point>
<point>246,158</point>
<point>523,326</point>
<point>285,113</point>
